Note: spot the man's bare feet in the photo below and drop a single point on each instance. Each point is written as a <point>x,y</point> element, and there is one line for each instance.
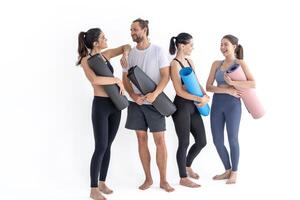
<point>103,188</point>
<point>188,183</point>
<point>96,194</point>
<point>232,178</point>
<point>147,184</point>
<point>223,176</point>
<point>191,173</point>
<point>166,186</point>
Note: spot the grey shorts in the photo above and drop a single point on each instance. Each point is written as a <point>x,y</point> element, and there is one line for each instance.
<point>142,117</point>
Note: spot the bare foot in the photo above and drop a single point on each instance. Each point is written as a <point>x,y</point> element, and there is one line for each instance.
<point>96,194</point>
<point>223,176</point>
<point>166,187</point>
<point>191,173</point>
<point>232,178</point>
<point>188,183</point>
<point>103,188</point>
<point>147,184</point>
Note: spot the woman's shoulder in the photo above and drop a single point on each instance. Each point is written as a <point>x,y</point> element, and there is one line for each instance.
<point>216,63</point>
<point>240,62</point>
<point>175,66</point>
<point>174,63</point>
<point>84,61</point>
<point>243,64</point>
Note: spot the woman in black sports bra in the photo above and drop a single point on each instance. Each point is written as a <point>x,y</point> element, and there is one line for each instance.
<point>105,116</point>
<point>187,118</point>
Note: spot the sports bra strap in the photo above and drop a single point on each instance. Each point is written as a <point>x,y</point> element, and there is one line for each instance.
<point>180,63</point>
<point>182,66</point>
<point>189,63</point>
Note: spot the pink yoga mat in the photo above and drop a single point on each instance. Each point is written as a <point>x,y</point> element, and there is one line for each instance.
<point>251,101</point>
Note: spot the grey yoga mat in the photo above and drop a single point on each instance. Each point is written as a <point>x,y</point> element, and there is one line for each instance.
<point>145,84</point>
<point>100,68</point>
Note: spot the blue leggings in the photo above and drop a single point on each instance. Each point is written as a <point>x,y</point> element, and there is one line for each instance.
<point>226,109</point>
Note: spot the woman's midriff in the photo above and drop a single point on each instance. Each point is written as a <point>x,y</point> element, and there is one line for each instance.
<point>99,91</point>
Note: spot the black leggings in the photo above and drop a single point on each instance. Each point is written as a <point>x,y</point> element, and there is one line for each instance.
<point>187,119</point>
<point>106,120</point>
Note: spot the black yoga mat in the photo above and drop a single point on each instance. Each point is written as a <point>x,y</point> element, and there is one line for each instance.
<point>99,66</point>
<point>145,85</point>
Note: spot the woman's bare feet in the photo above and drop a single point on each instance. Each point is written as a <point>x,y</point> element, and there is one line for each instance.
<point>147,184</point>
<point>166,186</point>
<point>223,176</point>
<point>96,194</point>
<point>232,178</point>
<point>188,183</point>
<point>191,173</point>
<point>103,188</point>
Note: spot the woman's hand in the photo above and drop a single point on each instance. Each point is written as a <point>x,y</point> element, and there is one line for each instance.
<point>121,86</point>
<point>124,60</point>
<point>228,80</point>
<point>234,92</point>
<point>202,101</point>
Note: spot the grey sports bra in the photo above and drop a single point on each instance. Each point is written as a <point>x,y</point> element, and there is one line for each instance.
<point>220,74</point>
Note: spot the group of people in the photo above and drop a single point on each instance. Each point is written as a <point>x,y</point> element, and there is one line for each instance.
<point>141,115</point>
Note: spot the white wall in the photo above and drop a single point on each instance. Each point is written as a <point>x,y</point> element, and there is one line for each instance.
<point>46,139</point>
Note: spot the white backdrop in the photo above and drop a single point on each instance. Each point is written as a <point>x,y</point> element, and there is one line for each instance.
<point>46,139</point>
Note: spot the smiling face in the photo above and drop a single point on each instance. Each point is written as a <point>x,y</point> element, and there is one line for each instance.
<point>101,42</point>
<point>227,48</point>
<point>137,33</point>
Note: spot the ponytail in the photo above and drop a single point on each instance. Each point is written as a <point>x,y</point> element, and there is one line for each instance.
<point>82,50</point>
<point>172,48</point>
<point>86,41</point>
<point>239,52</point>
<point>181,38</point>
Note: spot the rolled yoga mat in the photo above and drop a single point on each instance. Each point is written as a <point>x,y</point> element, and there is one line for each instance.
<point>99,66</point>
<point>251,101</point>
<point>192,86</point>
<point>146,85</point>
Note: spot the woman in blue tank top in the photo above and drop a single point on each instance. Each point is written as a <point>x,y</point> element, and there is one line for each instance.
<point>226,105</point>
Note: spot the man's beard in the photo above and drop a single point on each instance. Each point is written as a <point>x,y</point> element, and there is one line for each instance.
<point>137,39</point>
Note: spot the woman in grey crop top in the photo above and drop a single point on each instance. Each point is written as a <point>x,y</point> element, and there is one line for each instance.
<point>220,75</point>
<point>226,105</point>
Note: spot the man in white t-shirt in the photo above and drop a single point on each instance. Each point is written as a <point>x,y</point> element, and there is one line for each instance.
<point>141,115</point>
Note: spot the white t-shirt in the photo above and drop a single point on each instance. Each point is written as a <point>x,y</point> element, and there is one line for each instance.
<point>150,60</point>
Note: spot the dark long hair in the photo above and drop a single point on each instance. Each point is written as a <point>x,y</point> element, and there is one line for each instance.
<point>182,38</point>
<point>239,52</point>
<point>86,41</point>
